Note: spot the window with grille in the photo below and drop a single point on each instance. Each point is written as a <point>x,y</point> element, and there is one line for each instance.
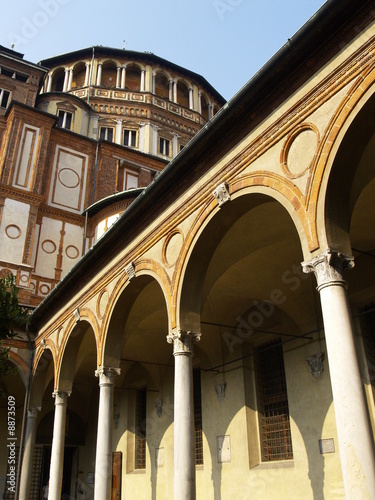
<point>4,98</point>
<point>64,119</point>
<point>140,430</point>
<point>35,486</point>
<point>106,134</point>
<point>164,146</point>
<point>130,138</point>
<point>273,409</point>
<point>198,417</point>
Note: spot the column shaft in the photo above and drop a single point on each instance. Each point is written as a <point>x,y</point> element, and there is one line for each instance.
<point>353,427</point>
<point>103,461</point>
<point>184,436</point>
<point>58,443</point>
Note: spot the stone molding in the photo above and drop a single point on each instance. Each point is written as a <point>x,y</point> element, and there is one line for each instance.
<point>61,397</point>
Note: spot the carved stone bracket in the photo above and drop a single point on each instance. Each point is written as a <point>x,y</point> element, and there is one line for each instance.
<point>220,391</point>
<point>315,362</point>
<point>107,375</point>
<point>183,341</point>
<point>222,194</point>
<point>130,270</point>
<point>329,268</point>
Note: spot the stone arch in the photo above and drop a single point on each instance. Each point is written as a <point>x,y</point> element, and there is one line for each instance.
<point>79,75</point>
<point>133,77</point>
<point>162,84</point>
<point>76,346</point>
<point>138,307</point>
<point>58,77</point>
<point>205,103</point>
<point>183,93</point>
<point>43,373</point>
<point>244,189</point>
<point>344,169</point>
<point>109,74</point>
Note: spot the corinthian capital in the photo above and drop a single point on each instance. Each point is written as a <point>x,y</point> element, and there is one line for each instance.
<point>107,375</point>
<point>183,341</point>
<point>329,268</point>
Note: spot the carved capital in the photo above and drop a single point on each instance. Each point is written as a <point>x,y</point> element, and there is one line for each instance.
<point>61,397</point>
<point>329,268</point>
<point>222,194</point>
<point>107,375</point>
<point>183,342</point>
<point>33,412</point>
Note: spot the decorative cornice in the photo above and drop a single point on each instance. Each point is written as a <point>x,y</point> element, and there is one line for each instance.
<point>329,268</point>
<point>183,342</point>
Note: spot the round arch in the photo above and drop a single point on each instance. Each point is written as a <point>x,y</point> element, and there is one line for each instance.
<point>246,194</point>
<point>183,93</point>
<point>138,310</point>
<point>162,84</point>
<point>340,179</point>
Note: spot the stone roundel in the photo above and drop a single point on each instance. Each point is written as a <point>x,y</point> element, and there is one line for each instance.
<point>13,232</point>
<point>299,150</point>
<point>49,246</point>
<point>69,178</point>
<point>72,251</point>
<point>172,247</point>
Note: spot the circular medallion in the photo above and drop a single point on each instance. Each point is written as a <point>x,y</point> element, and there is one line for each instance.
<point>299,151</point>
<point>69,178</point>
<point>13,232</point>
<point>48,246</point>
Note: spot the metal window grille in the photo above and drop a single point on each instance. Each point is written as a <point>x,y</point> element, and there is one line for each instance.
<point>140,433</point>
<point>35,477</point>
<point>198,417</point>
<point>274,422</point>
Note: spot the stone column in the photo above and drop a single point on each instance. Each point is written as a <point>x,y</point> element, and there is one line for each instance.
<point>142,80</point>
<point>70,80</point>
<point>123,77</point>
<point>171,90</point>
<point>103,462</point>
<point>191,102</point>
<point>66,80</point>
<point>58,443</point>
<point>352,421</point>
<point>154,82</point>
<point>118,77</point>
<point>199,102</point>
<point>99,75</point>
<point>175,93</point>
<point>27,460</point>
<point>87,74</point>
<point>118,138</point>
<point>184,438</point>
<point>49,83</point>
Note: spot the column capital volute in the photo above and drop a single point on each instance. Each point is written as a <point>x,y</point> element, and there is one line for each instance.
<point>329,268</point>
<point>107,375</point>
<point>61,397</point>
<point>183,342</point>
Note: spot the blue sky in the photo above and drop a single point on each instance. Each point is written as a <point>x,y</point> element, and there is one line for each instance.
<point>226,41</point>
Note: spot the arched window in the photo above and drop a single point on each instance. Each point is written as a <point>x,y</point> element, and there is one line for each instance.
<point>161,86</point>
<point>109,75</point>
<point>133,78</point>
<point>79,74</point>
<point>182,94</point>
<point>58,80</point>
<point>204,106</point>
